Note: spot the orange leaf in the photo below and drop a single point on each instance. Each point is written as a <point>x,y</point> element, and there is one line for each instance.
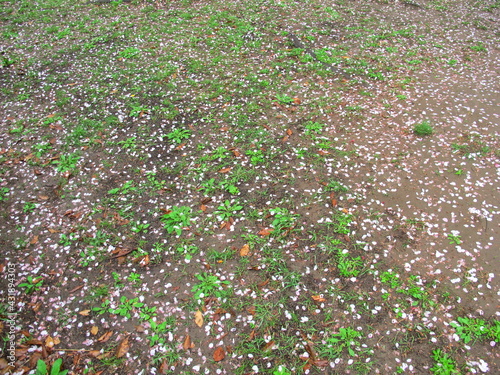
<point>265,232</point>
<point>84,312</point>
<point>203,207</point>
<point>187,344</point>
<point>198,318</point>
<point>34,240</point>
<point>323,153</point>
<point>244,250</point>
<point>285,138</point>
<point>268,346</point>
<point>94,330</point>
<point>297,101</point>
<point>289,132</point>
<point>219,354</point>
<point>318,299</point>
<point>105,337</point>
<point>236,153</point>
<point>49,342</point>
<point>122,349</point>
<point>225,170</point>
<point>181,146</point>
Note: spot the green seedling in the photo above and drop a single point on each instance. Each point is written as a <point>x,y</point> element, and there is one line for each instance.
<point>138,110</point>
<point>281,370</point>
<point>159,331</point>
<point>32,284</point>
<point>4,191</point>
<point>41,368</point>
<point>176,219</point>
<point>340,222</point>
<point>285,99</point>
<point>66,163</point>
<point>126,307</point>
<point>445,365</point>
<point>209,286</point>
<point>129,52</point>
<point>336,187</point>
<point>126,188</point>
<point>347,338</point>
<point>188,251</point>
<point>391,278</point>
<point>227,210</point>
<point>29,207</point>
<point>283,220</point>
<point>139,227</point>
<point>313,127</point>
<point>179,135</point>
<point>423,129</point>
<point>134,278</point>
<point>256,156</point>
<point>129,143</point>
<point>454,238</point>
<point>469,329</point>
<point>347,265</point>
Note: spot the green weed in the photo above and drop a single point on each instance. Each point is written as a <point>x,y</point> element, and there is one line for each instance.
<point>176,219</point>
<point>423,129</point>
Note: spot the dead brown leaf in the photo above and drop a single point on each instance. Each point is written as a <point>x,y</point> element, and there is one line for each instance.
<point>187,344</point>
<point>84,312</point>
<point>225,170</point>
<point>268,346</point>
<point>265,232</point>
<point>49,342</point>
<point>34,240</point>
<point>219,354</point>
<point>198,318</point>
<point>289,132</point>
<point>122,348</point>
<point>318,299</point>
<point>105,337</point>
<point>244,250</point>
<point>94,330</point>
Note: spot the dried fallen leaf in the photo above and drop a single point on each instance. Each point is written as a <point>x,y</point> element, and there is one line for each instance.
<point>203,207</point>
<point>122,349</point>
<point>244,250</point>
<point>140,329</point>
<point>289,132</point>
<point>105,337</point>
<point>49,342</point>
<point>318,299</point>
<point>84,312</point>
<point>297,101</point>
<point>268,346</point>
<point>3,364</point>
<point>198,318</point>
<point>181,146</point>
<point>265,232</point>
<point>94,330</point>
<point>225,170</point>
<point>219,354</point>
<point>34,240</point>
<point>187,344</point>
